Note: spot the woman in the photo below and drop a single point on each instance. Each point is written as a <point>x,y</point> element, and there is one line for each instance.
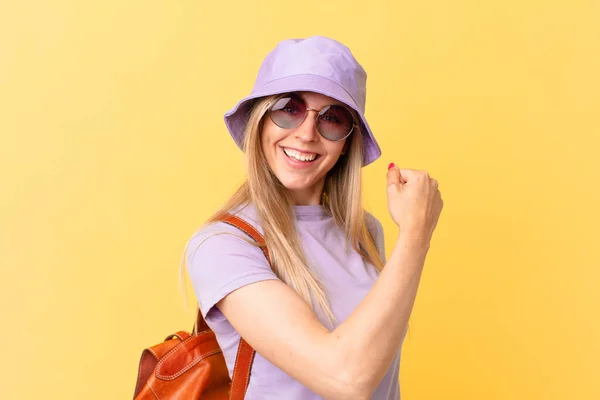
<point>328,318</point>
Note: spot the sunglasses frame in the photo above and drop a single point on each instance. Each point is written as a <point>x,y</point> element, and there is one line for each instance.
<point>319,114</point>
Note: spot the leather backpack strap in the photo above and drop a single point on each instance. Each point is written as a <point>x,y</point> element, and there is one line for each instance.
<point>245,355</point>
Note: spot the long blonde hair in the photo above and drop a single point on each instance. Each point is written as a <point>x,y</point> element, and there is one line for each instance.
<point>274,206</point>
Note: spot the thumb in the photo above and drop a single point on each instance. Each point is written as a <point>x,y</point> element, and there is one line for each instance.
<point>394,176</point>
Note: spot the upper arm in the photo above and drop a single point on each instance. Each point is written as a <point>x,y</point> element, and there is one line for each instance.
<point>283,328</point>
<point>235,276</point>
<point>219,262</point>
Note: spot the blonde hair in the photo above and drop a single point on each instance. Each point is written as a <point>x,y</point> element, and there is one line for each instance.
<point>274,206</point>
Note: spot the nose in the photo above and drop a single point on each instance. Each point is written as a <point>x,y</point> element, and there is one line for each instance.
<point>307,131</point>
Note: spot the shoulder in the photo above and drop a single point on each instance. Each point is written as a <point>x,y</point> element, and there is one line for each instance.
<point>215,234</point>
<point>219,259</point>
<point>218,239</point>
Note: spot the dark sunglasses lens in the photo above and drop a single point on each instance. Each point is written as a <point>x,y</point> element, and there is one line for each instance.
<point>335,123</point>
<point>288,112</point>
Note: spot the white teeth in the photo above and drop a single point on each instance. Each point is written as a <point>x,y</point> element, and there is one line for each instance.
<point>299,156</point>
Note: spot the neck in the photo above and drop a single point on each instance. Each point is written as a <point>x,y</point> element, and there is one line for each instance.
<point>308,197</point>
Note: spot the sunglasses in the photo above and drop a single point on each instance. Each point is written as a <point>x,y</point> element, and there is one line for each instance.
<point>334,122</point>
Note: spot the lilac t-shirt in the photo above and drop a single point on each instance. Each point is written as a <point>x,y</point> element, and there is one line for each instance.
<point>222,263</point>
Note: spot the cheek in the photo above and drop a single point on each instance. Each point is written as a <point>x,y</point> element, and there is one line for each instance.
<point>335,150</point>
<point>270,134</point>
<point>263,142</point>
<point>269,137</point>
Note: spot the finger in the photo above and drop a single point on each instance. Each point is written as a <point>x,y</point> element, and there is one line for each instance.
<point>402,180</point>
<point>393,175</point>
<point>408,174</point>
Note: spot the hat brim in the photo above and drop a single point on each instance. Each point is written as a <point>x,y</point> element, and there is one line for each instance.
<point>236,118</point>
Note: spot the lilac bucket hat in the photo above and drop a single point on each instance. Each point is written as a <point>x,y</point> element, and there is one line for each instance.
<point>315,64</point>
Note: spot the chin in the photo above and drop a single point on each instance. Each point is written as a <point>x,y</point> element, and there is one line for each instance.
<point>295,185</point>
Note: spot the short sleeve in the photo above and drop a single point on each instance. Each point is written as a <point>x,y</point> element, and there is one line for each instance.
<point>219,262</point>
<point>376,230</point>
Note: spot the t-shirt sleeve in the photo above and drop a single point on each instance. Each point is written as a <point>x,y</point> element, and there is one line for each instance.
<point>219,262</point>
<point>376,229</point>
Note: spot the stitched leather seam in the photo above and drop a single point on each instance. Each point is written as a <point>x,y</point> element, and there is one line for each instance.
<point>187,368</point>
<point>246,229</point>
<point>176,348</point>
<point>247,379</point>
<point>153,392</point>
<point>235,368</point>
<point>250,231</point>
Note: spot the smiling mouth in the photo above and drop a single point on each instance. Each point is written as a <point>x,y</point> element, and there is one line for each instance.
<point>300,157</point>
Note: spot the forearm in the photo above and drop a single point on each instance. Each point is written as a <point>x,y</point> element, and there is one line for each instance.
<point>349,362</point>
<point>369,338</point>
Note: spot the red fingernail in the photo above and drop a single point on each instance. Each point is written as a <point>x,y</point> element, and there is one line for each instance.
<point>391,166</point>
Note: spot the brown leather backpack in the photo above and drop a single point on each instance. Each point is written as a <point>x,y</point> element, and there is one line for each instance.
<point>191,366</point>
